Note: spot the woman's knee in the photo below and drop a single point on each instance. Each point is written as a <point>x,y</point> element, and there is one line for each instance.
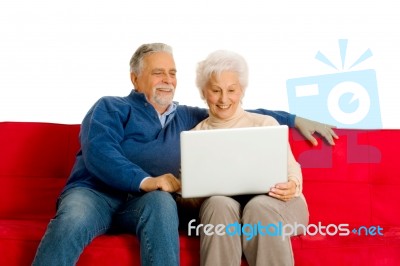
<point>220,203</point>
<point>260,207</point>
<point>220,209</point>
<point>269,209</point>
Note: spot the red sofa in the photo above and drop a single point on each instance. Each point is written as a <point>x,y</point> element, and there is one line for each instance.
<point>355,182</point>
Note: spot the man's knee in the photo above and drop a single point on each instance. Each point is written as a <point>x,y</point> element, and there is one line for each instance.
<point>161,205</point>
<point>82,208</point>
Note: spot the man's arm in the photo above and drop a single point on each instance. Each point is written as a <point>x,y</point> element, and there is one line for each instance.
<point>283,118</point>
<point>305,126</point>
<point>102,131</point>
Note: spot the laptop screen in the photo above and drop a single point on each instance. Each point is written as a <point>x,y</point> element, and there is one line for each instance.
<point>233,161</point>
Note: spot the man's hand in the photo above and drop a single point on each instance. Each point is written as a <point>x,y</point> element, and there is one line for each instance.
<point>167,182</point>
<point>308,127</point>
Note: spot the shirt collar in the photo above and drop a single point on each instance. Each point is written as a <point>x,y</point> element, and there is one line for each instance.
<point>166,116</point>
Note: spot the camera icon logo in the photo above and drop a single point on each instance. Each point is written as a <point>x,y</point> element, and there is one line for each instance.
<point>345,99</point>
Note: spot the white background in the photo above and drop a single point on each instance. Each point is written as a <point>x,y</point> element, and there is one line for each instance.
<point>58,57</point>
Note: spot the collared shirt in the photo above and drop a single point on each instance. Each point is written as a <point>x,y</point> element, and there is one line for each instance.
<point>166,117</point>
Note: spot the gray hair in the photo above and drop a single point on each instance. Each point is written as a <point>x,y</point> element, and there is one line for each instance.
<point>136,63</point>
<point>219,61</point>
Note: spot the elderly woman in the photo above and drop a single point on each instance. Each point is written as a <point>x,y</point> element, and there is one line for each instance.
<point>222,79</point>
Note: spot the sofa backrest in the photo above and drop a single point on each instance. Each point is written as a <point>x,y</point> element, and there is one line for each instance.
<point>355,182</point>
<point>35,160</point>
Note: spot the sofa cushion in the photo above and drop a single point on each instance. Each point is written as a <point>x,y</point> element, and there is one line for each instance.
<point>355,182</point>
<point>19,240</point>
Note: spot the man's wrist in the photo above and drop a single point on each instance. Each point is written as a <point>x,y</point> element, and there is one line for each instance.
<point>141,182</point>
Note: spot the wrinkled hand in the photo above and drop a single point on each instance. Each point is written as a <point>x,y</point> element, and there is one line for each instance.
<point>308,127</point>
<point>167,182</point>
<point>283,191</point>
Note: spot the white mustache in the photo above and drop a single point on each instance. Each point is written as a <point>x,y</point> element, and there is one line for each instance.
<point>164,87</point>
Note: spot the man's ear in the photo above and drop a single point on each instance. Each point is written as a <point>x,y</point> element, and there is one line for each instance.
<point>133,79</point>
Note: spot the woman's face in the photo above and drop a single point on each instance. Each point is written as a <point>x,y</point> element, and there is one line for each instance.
<point>223,94</point>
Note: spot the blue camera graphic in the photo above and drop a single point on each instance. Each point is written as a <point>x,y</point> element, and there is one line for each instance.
<point>347,100</point>
<point>344,99</point>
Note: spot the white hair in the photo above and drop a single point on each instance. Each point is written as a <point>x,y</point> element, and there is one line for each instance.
<point>219,61</point>
<point>136,62</point>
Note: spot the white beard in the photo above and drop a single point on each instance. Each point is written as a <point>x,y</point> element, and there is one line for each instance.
<point>163,100</point>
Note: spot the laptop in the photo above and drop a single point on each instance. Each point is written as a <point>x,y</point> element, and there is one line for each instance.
<point>233,161</point>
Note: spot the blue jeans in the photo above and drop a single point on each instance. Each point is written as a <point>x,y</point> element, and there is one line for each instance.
<point>84,214</point>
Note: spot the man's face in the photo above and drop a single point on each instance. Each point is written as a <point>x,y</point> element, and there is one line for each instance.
<point>157,80</point>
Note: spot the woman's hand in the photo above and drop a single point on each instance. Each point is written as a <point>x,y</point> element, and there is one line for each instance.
<point>283,191</point>
<point>167,182</point>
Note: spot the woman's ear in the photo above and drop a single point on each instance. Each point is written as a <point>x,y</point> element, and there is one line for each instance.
<point>243,91</point>
<point>202,95</point>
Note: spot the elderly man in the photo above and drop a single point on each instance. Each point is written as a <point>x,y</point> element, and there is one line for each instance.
<point>128,163</point>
